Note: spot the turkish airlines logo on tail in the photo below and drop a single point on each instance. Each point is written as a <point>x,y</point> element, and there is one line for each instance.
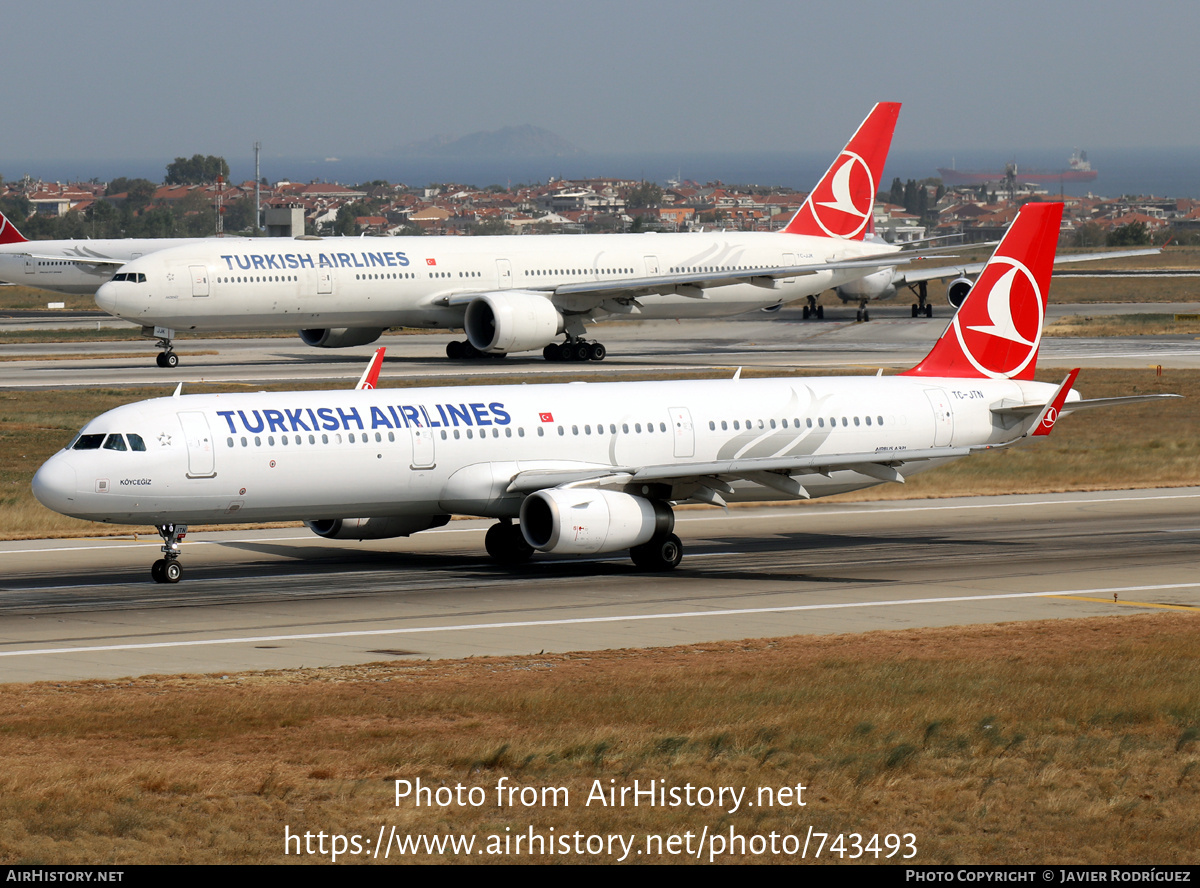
<point>1008,342</point>
<point>843,201</point>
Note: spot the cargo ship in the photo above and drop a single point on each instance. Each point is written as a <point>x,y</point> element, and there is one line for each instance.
<point>1078,170</point>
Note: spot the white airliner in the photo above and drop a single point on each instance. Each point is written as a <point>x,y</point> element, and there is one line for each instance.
<point>587,468</point>
<point>512,294</point>
<point>76,267</point>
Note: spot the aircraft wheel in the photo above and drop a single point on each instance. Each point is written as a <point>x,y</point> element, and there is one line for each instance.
<point>454,350</point>
<point>929,310</point>
<point>550,352</point>
<point>170,359</point>
<point>859,317</point>
<point>506,544</point>
<point>807,312</point>
<point>156,570</point>
<point>866,315</point>
<point>820,312</point>
<point>172,571</point>
<point>470,352</point>
<point>582,351</point>
<point>597,351</point>
<point>663,553</point>
<point>916,310</point>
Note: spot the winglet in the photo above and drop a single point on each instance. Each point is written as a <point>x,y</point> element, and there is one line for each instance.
<point>1044,424</point>
<point>371,375</point>
<point>843,203</point>
<point>997,331</point>
<point>9,233</point>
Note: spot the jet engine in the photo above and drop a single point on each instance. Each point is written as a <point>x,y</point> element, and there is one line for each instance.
<point>514,321</point>
<point>341,337</point>
<point>374,528</point>
<point>956,293</point>
<point>877,285</point>
<point>576,521</point>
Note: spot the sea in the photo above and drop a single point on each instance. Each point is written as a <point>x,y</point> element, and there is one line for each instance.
<point>1161,172</point>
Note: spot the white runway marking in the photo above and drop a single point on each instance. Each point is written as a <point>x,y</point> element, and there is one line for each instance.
<point>577,621</point>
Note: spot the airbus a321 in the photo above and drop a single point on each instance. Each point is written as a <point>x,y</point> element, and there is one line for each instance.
<point>512,293</point>
<point>578,468</point>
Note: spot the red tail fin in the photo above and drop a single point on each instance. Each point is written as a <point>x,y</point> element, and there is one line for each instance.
<point>9,233</point>
<point>997,331</point>
<point>841,204</point>
<point>370,377</point>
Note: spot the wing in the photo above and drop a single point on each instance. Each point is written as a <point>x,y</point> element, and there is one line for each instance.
<point>706,481</point>
<point>913,274</point>
<point>588,295</point>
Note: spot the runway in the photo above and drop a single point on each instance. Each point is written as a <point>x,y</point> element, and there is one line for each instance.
<point>770,341</point>
<point>284,598</point>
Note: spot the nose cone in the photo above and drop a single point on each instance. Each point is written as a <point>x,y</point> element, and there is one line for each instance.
<point>106,297</point>
<point>55,485</point>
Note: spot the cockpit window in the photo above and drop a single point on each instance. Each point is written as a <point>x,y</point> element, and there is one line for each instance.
<point>136,442</point>
<point>115,442</point>
<point>130,277</point>
<point>88,442</point>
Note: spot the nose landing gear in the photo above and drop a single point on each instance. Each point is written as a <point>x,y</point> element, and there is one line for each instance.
<point>168,569</point>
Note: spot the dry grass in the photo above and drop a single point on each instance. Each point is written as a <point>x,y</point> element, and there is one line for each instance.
<point>1059,741</point>
<point>1123,325</point>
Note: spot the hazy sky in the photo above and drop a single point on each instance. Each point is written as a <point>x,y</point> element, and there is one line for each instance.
<point>144,79</point>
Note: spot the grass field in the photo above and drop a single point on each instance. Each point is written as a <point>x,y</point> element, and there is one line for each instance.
<point>1063,742</point>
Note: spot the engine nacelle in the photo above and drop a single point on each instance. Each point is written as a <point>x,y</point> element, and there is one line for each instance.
<point>877,285</point>
<point>499,323</point>
<point>956,293</point>
<point>575,521</point>
<point>374,528</point>
<point>341,337</point>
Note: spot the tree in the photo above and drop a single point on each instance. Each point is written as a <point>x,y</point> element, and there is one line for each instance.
<point>645,194</point>
<point>1089,234</point>
<point>1134,234</point>
<point>200,169</point>
<point>896,195</point>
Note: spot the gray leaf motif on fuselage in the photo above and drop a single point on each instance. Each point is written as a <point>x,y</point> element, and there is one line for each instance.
<point>754,444</point>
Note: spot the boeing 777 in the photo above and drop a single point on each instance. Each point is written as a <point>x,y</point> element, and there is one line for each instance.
<point>512,294</point>
<point>585,468</point>
<point>74,267</point>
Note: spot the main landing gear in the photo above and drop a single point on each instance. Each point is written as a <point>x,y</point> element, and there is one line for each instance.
<point>575,350</point>
<point>168,569</point>
<point>863,314</point>
<point>922,307</point>
<point>506,544</point>
<point>813,310</point>
<point>661,553</point>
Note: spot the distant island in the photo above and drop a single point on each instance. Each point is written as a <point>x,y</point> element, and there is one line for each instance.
<point>510,141</point>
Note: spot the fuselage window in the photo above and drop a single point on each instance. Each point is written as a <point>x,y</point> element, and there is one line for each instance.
<point>324,439</point>
<point>561,431</point>
<point>868,420</point>
<point>257,441</point>
<point>229,441</point>
<point>541,431</point>
<point>351,436</point>
<point>470,434</point>
<point>712,426</point>
<point>245,443</point>
<point>856,420</point>
<point>456,434</point>
<point>844,422</point>
<point>662,426</point>
<point>312,439</point>
<point>283,440</point>
<point>271,440</point>
<point>637,427</point>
